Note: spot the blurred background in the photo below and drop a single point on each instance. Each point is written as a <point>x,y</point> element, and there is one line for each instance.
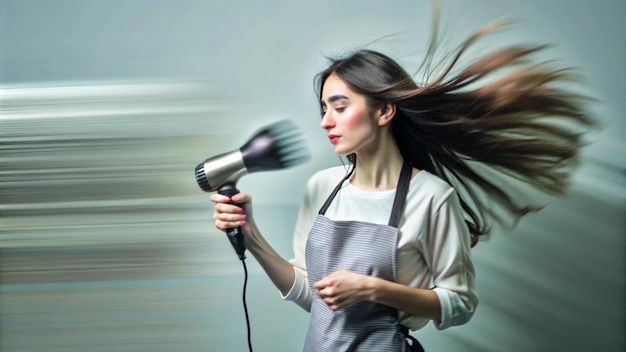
<point>106,107</point>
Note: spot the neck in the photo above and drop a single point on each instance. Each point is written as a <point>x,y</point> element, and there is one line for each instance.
<point>378,167</point>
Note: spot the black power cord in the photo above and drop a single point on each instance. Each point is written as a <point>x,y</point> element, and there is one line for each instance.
<point>245,305</point>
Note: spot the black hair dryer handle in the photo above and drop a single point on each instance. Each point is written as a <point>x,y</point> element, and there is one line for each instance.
<point>235,235</point>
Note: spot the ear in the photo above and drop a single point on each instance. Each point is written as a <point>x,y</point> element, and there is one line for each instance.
<point>386,112</point>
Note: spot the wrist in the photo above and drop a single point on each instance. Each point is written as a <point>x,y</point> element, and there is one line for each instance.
<point>371,288</point>
<point>255,242</point>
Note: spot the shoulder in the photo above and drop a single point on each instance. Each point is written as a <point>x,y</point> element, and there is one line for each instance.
<point>331,175</point>
<point>323,181</point>
<point>426,186</point>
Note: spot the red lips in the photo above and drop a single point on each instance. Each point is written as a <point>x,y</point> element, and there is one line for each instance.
<point>333,138</point>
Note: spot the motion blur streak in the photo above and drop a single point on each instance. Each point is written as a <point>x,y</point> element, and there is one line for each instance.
<point>106,240</point>
<point>107,243</point>
<point>93,163</point>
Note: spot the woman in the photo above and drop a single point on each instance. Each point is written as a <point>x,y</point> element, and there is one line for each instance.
<point>385,247</point>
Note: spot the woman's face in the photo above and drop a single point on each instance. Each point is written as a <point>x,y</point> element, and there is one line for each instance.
<point>347,118</point>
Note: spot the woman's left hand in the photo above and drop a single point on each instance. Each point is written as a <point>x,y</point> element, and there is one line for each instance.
<point>344,288</point>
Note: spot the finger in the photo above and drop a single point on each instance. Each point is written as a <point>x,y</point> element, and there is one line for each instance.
<point>225,225</point>
<point>227,217</point>
<point>333,304</point>
<point>219,198</point>
<point>322,293</point>
<point>221,208</point>
<point>330,301</point>
<point>327,292</point>
<point>225,221</point>
<point>241,198</point>
<point>339,302</point>
<point>322,283</point>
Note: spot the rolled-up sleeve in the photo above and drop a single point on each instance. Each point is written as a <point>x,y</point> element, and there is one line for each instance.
<point>300,292</point>
<point>448,242</point>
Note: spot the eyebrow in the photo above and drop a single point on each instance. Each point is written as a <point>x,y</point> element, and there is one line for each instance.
<point>334,98</point>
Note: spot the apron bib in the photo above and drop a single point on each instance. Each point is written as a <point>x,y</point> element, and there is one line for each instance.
<point>364,248</point>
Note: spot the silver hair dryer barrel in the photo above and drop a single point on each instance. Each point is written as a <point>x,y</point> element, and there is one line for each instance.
<point>220,170</point>
<point>274,147</point>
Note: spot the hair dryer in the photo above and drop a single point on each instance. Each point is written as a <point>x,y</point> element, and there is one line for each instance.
<point>274,147</point>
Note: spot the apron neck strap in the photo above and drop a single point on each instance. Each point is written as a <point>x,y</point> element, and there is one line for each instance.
<point>398,202</point>
<point>335,191</point>
<point>401,192</point>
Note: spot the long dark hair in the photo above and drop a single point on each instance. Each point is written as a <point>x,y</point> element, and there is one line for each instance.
<point>500,117</point>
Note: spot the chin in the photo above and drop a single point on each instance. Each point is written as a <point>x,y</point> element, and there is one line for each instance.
<point>342,152</point>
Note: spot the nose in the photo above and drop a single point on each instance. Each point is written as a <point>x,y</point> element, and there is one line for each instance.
<point>327,120</point>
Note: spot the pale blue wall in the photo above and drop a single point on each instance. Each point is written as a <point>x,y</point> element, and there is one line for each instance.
<point>106,243</point>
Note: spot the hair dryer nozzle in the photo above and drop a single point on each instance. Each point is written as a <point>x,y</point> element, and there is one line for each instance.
<point>276,146</point>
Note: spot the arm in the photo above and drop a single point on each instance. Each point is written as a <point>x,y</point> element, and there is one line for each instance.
<point>226,215</point>
<point>447,253</point>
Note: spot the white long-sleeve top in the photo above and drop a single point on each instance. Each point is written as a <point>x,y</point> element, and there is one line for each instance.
<point>433,246</point>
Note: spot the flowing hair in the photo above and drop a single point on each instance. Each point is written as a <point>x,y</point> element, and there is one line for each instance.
<point>500,119</point>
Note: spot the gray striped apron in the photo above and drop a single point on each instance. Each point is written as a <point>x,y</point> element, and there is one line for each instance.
<point>365,248</point>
